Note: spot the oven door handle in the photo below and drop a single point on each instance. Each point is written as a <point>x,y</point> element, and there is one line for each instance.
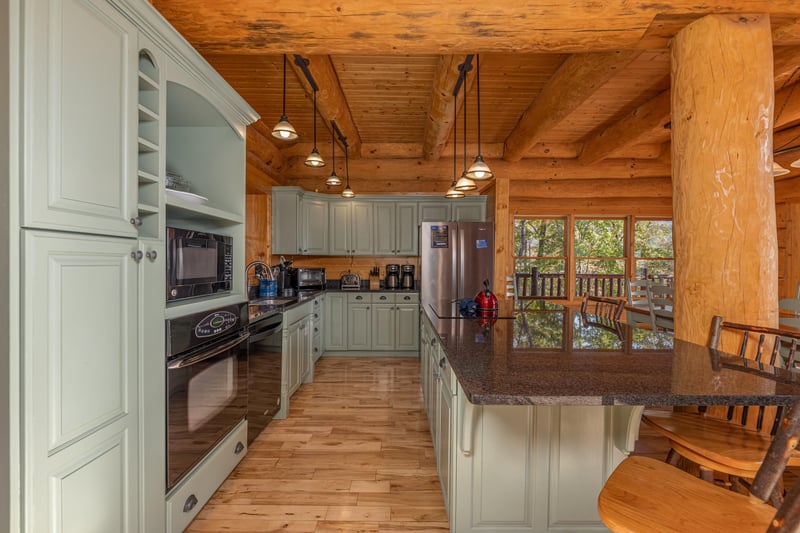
<point>188,361</point>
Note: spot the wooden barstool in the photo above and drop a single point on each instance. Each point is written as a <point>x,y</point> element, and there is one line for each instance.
<point>601,306</point>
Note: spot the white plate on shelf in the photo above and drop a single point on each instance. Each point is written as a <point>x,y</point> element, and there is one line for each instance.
<point>189,197</point>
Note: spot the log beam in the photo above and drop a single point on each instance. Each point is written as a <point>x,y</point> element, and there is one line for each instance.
<point>627,131</point>
<point>574,81</point>
<point>724,226</point>
<point>584,188</point>
<point>439,123</point>
<point>331,102</point>
<point>419,170</point>
<point>503,235</point>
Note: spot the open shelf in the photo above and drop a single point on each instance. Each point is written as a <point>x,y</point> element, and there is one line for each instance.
<point>177,208</point>
<point>149,148</point>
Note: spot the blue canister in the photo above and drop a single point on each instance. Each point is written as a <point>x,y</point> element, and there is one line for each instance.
<point>267,288</point>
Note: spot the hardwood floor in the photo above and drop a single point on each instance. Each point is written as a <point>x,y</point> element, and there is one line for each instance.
<point>355,455</point>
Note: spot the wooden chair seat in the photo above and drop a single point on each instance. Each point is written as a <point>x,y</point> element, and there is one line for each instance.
<point>715,444</point>
<point>646,495</point>
<point>601,306</point>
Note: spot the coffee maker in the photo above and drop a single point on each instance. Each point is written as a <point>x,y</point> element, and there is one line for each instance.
<point>407,278</point>
<point>392,277</point>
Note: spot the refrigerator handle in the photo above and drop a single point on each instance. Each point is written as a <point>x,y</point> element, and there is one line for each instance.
<point>460,266</point>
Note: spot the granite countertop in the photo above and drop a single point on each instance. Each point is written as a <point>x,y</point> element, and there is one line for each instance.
<point>550,355</point>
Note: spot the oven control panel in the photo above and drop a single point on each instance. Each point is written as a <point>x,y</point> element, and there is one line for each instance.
<point>215,323</point>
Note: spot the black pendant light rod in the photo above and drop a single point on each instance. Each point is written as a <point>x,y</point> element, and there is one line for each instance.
<point>315,119</point>
<point>465,128</point>
<point>455,142</point>
<point>463,68</point>
<point>335,128</point>
<point>284,86</point>
<point>478,87</point>
<point>333,146</point>
<point>302,62</point>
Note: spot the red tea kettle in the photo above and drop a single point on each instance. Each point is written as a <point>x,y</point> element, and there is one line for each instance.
<point>485,299</point>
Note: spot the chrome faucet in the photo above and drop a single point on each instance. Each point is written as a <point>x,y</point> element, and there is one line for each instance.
<point>250,265</point>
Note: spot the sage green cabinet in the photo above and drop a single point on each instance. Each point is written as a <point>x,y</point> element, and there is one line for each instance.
<point>395,321</point>
<point>383,322</point>
<point>314,226</point>
<point>335,322</point>
<point>406,325</point>
<point>359,322</point>
<point>81,64</point>
<point>469,209</point>
<point>81,382</point>
<point>318,328</point>
<point>285,221</point>
<point>396,230</point>
<point>350,227</point>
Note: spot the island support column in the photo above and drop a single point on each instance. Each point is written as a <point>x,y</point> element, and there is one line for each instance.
<point>724,231</point>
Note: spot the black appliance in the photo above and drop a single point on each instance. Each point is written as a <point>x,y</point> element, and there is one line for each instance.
<point>392,277</point>
<point>309,279</point>
<point>206,367</point>
<point>407,278</point>
<point>264,364</point>
<point>198,263</point>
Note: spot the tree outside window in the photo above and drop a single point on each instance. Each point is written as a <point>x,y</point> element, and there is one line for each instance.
<point>654,258</point>
<point>600,257</point>
<point>540,257</point>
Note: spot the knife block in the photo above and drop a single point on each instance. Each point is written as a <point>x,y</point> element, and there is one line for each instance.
<point>374,283</point>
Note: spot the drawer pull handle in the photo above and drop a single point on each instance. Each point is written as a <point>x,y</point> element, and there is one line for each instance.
<point>239,448</point>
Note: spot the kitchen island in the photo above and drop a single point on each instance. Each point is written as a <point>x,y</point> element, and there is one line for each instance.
<point>531,411</point>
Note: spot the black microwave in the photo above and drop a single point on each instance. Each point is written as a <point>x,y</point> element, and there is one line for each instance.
<point>198,263</point>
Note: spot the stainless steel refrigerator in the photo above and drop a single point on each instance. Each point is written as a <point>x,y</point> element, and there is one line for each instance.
<point>455,258</point>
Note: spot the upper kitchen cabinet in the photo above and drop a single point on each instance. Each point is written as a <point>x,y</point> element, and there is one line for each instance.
<point>80,101</point>
<point>469,209</point>
<point>396,230</point>
<point>350,227</point>
<point>299,222</point>
<point>434,211</point>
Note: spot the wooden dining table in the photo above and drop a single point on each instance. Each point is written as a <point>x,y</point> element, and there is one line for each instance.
<point>548,402</point>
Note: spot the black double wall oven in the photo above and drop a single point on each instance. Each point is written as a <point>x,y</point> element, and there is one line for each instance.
<point>206,369</point>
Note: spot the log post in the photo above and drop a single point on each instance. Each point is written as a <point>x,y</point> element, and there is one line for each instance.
<point>724,229</point>
<point>503,236</point>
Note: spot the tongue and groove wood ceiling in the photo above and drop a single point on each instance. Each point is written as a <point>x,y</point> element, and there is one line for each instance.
<point>569,90</point>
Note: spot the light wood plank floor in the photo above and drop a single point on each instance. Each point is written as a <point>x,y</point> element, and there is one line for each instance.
<point>355,455</point>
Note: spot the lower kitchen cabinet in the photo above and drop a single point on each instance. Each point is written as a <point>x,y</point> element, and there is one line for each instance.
<point>317,329</point>
<point>395,325</point>
<point>359,322</point>
<point>335,321</point>
<point>298,361</point>
<point>517,468</point>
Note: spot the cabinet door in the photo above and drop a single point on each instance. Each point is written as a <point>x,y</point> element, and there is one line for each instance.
<point>469,210</point>
<point>383,327</point>
<point>82,120</point>
<point>359,326</point>
<point>339,228</point>
<point>285,222</point>
<point>335,321</point>
<point>315,224</point>
<point>434,211</point>
<point>306,351</point>
<point>407,229</point>
<point>361,229</point>
<point>385,228</point>
<point>407,327</point>
<point>80,386</point>
<point>444,409</point>
<point>293,349</point>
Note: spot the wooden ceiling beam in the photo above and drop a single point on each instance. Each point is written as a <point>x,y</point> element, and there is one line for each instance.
<point>574,81</point>
<point>391,170</point>
<point>785,65</point>
<point>439,122</point>
<point>259,142</point>
<point>627,131</point>
<point>331,101</point>
<point>360,26</point>
<point>587,188</point>
<point>787,106</point>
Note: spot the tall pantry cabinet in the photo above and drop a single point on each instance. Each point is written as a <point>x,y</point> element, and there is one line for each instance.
<point>82,426</point>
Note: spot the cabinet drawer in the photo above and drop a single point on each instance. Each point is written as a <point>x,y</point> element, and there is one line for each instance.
<point>358,298</point>
<point>407,297</point>
<point>383,297</point>
<point>445,371</point>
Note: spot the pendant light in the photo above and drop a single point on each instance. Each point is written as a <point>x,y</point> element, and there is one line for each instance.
<point>347,192</point>
<point>333,180</point>
<point>479,170</point>
<point>283,130</point>
<point>314,159</point>
<point>464,183</point>
<point>452,192</point>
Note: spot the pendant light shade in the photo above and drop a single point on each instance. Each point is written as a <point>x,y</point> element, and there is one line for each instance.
<point>314,159</point>
<point>453,193</point>
<point>479,170</point>
<point>333,180</point>
<point>778,170</point>
<point>347,192</point>
<point>283,130</point>
<point>464,183</point>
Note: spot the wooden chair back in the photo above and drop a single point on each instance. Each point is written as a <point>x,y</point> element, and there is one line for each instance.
<point>789,304</point>
<point>638,299</point>
<point>775,347</point>
<point>661,299</point>
<point>601,306</point>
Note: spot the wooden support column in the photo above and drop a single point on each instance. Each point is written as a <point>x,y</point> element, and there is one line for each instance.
<point>724,232</point>
<point>503,236</point>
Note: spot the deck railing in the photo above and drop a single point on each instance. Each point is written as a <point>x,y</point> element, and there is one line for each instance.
<point>539,285</point>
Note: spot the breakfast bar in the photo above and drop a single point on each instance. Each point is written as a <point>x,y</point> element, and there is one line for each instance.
<point>533,407</point>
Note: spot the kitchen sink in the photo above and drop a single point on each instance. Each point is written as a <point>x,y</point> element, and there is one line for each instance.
<point>274,301</point>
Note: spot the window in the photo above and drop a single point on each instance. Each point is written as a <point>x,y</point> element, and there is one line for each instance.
<point>540,256</point>
<point>564,257</point>
<point>600,257</point>
<point>652,250</point>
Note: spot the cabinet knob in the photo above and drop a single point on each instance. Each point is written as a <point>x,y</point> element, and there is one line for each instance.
<point>239,448</point>
<point>189,504</point>
<point>136,221</point>
<point>442,363</point>
<point>137,255</point>
<point>151,255</point>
